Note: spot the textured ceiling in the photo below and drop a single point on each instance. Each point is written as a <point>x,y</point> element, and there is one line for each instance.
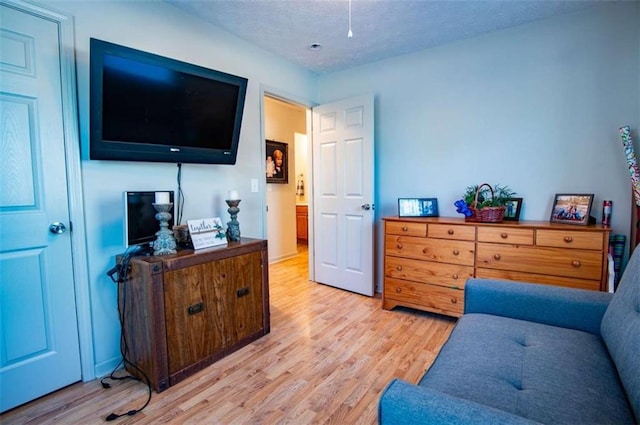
<point>381,28</point>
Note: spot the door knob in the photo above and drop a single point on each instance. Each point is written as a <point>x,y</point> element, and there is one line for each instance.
<point>366,207</point>
<point>57,228</point>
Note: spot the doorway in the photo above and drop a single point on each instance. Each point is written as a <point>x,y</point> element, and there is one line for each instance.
<point>340,194</point>
<point>286,124</point>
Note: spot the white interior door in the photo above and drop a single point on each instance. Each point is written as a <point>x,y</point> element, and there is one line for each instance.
<point>343,185</point>
<point>39,350</point>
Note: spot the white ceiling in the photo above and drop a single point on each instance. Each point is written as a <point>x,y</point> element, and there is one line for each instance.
<point>381,28</point>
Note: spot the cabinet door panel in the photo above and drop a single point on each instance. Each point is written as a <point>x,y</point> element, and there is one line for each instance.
<point>302,222</point>
<point>243,296</point>
<point>301,227</point>
<point>194,312</point>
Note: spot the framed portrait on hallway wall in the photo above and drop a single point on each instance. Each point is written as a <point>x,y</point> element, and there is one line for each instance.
<point>277,162</point>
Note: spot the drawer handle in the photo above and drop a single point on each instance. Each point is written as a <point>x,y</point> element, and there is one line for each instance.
<point>504,235</point>
<point>195,308</point>
<point>454,300</point>
<point>456,252</point>
<point>576,263</point>
<point>405,228</point>
<point>450,231</point>
<point>399,246</point>
<point>497,256</point>
<point>568,239</point>
<point>455,276</point>
<point>242,292</point>
<point>399,268</point>
<point>398,290</point>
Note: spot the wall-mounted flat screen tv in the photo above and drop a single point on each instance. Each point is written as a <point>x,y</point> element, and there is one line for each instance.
<point>145,107</point>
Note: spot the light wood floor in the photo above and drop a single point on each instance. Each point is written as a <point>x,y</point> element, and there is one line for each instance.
<point>328,357</point>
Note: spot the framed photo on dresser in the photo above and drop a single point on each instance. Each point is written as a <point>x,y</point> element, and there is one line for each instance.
<point>514,207</point>
<point>418,207</point>
<point>572,208</point>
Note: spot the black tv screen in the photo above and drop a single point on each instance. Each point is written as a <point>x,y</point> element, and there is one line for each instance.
<point>145,107</point>
<point>141,225</point>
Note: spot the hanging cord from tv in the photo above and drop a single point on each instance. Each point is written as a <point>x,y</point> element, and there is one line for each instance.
<point>121,270</point>
<point>180,203</point>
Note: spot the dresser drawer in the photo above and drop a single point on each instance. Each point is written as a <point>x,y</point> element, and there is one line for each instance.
<point>581,264</point>
<point>569,239</point>
<point>449,275</point>
<point>593,285</point>
<point>423,296</point>
<point>451,231</point>
<point>439,250</point>
<point>406,228</point>
<point>505,235</point>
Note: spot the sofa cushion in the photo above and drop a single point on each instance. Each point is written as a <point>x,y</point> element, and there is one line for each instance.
<point>620,330</point>
<point>541,372</point>
<point>402,403</point>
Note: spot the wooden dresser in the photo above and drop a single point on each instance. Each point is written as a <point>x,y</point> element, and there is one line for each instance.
<point>428,260</point>
<point>183,312</point>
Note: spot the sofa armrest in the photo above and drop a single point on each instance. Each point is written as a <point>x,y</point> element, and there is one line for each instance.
<point>403,403</point>
<point>579,309</point>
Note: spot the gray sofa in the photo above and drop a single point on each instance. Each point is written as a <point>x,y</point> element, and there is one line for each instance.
<point>524,353</point>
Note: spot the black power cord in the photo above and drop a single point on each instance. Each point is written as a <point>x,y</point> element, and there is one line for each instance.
<point>121,270</point>
<point>180,203</point>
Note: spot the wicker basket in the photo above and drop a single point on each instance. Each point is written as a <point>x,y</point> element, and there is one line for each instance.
<point>486,214</point>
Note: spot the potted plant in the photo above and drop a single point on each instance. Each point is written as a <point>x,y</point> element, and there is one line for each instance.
<point>484,203</point>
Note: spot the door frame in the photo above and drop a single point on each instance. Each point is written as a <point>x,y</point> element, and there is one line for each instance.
<point>307,104</point>
<point>74,177</point>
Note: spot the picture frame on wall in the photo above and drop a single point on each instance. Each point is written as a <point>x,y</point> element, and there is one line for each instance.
<point>418,207</point>
<point>277,162</point>
<point>572,208</point>
<point>514,207</point>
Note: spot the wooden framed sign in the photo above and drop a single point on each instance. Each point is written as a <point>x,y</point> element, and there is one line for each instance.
<point>207,232</point>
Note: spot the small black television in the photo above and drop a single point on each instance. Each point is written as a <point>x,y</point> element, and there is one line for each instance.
<point>145,107</point>
<point>140,223</point>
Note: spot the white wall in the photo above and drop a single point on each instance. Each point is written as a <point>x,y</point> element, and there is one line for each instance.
<point>162,29</point>
<point>535,107</point>
<point>302,166</point>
